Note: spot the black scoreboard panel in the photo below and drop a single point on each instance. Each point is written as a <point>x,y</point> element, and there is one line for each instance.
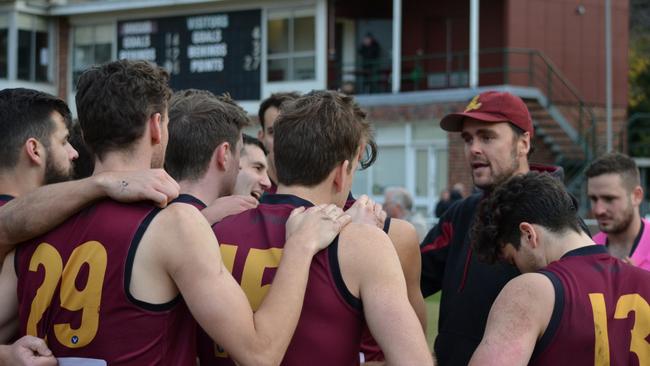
<point>220,52</point>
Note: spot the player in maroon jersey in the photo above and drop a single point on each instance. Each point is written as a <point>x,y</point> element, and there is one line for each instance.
<point>575,304</point>
<point>136,260</point>
<point>253,178</point>
<point>268,113</point>
<point>34,151</point>
<point>402,233</point>
<point>319,142</point>
<point>208,170</point>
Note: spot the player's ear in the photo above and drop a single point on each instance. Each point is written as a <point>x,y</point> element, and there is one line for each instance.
<point>35,151</point>
<point>637,195</point>
<point>341,175</point>
<point>155,128</point>
<point>222,155</point>
<point>524,143</point>
<point>528,234</point>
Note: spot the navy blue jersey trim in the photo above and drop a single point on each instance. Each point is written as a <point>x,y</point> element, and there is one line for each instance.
<point>332,252</point>
<point>6,197</point>
<point>188,198</point>
<point>129,268</point>
<point>288,199</point>
<point>556,317</point>
<point>637,239</point>
<point>588,250</point>
<point>387,225</point>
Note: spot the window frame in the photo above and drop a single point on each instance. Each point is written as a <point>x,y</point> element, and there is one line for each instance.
<point>291,55</point>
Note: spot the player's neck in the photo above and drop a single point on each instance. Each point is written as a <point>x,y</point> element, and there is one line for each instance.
<point>566,242</point>
<point>624,240</point>
<point>123,161</point>
<point>17,182</point>
<point>272,175</point>
<point>205,190</point>
<point>317,195</point>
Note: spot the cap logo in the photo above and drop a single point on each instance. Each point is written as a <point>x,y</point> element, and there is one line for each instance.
<point>473,105</point>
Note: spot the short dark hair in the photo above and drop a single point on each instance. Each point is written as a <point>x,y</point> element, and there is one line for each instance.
<point>276,100</point>
<point>616,163</point>
<point>536,198</point>
<point>518,131</point>
<point>199,121</point>
<point>250,140</point>
<point>84,165</point>
<point>26,113</point>
<point>115,100</point>
<point>316,132</point>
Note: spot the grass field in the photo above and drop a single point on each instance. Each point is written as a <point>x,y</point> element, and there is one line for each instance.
<point>433,304</point>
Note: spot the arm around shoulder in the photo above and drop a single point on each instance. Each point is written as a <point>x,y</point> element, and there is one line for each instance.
<point>193,260</point>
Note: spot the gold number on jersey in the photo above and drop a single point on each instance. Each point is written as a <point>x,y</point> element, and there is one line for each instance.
<point>87,300</point>
<point>257,261</point>
<point>641,329</point>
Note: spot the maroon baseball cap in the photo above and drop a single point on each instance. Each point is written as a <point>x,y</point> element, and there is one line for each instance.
<point>492,106</point>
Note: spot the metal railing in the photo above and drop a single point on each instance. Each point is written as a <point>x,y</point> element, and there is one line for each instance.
<point>498,66</point>
<point>637,136</point>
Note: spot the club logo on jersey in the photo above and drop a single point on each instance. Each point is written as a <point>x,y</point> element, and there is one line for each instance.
<point>473,105</point>
<point>74,340</point>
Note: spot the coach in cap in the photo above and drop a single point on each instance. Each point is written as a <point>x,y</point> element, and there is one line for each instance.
<point>497,130</point>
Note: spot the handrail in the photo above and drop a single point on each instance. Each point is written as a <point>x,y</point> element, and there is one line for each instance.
<point>500,66</point>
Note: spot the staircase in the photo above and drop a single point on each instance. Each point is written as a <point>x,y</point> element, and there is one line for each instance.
<point>561,117</point>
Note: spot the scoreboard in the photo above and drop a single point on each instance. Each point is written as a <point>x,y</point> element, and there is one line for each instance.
<point>220,52</point>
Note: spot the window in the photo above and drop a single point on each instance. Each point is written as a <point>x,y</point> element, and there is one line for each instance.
<point>92,45</point>
<point>411,155</point>
<point>291,45</point>
<point>33,48</point>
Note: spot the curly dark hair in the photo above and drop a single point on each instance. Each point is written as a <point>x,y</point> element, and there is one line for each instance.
<point>536,198</point>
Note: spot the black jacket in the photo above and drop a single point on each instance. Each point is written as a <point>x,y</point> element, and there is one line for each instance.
<point>469,287</point>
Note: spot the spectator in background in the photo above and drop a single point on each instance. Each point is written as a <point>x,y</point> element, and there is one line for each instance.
<point>268,113</point>
<point>615,193</point>
<point>448,197</point>
<point>370,52</point>
<point>398,204</point>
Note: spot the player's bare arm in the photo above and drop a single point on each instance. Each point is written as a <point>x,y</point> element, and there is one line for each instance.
<point>405,240</point>
<point>185,246</point>
<point>518,318</point>
<point>30,215</point>
<point>372,271</point>
<point>27,351</point>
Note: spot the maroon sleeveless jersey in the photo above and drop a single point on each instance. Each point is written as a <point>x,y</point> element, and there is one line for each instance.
<point>601,314</point>
<point>73,291</point>
<point>329,329</point>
